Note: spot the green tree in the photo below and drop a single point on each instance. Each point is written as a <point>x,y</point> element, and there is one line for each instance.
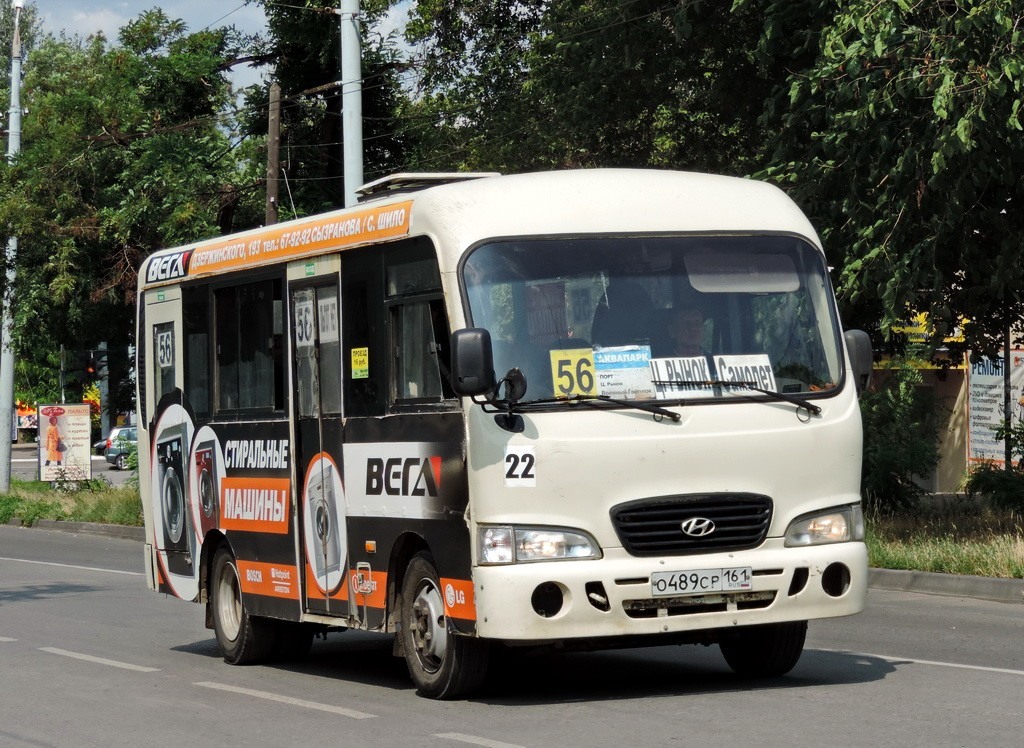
<point>303,45</point>
<point>125,149</point>
<point>563,83</point>
<point>901,441</point>
<point>903,140</point>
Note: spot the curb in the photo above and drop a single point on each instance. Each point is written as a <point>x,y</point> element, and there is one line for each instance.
<point>87,528</point>
<point>950,585</point>
<point>925,582</point>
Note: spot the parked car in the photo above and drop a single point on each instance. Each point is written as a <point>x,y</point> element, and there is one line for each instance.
<point>120,443</point>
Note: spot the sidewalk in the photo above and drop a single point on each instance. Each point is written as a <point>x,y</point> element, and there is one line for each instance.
<point>950,585</point>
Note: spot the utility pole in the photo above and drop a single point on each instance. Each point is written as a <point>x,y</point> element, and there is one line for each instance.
<point>351,100</point>
<point>7,322</point>
<point>273,153</point>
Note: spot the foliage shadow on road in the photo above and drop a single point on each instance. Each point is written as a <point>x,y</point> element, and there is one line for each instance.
<point>49,591</point>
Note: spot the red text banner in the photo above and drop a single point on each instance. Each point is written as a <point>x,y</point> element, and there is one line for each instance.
<point>255,504</point>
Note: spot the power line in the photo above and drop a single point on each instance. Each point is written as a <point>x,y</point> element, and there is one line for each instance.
<point>231,13</point>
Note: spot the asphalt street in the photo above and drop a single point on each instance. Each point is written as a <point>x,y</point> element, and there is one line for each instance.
<point>89,656</point>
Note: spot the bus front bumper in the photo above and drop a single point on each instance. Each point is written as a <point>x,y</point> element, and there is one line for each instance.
<point>613,596</point>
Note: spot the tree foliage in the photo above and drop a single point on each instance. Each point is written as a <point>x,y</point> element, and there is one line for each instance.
<point>303,45</point>
<point>903,140</point>
<point>563,83</point>
<point>901,440</point>
<point>124,150</point>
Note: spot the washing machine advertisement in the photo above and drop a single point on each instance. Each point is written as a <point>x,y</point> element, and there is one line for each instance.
<point>175,533</point>
<point>324,525</point>
<point>207,465</point>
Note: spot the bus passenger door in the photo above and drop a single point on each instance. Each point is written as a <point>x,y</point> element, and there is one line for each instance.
<point>317,417</point>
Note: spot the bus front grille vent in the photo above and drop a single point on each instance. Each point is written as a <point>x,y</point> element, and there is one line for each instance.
<point>661,607</point>
<point>692,523</point>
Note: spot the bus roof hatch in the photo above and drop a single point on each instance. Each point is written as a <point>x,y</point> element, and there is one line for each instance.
<point>412,181</point>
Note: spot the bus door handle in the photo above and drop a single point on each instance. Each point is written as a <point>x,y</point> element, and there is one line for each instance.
<point>363,579</point>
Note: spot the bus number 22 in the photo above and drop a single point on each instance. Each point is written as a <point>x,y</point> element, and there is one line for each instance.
<point>520,464</point>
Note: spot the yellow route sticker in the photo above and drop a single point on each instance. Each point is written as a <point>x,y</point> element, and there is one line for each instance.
<point>572,372</point>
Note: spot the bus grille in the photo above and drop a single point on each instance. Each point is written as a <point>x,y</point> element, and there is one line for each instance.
<point>654,527</point>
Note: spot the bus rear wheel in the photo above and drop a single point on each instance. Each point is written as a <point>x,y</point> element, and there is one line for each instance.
<point>442,665</point>
<point>765,651</point>
<point>242,638</point>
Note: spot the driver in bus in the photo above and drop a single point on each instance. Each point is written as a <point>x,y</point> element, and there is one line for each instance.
<point>686,331</point>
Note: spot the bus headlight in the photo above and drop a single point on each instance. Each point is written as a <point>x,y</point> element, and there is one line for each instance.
<point>833,526</point>
<point>508,545</point>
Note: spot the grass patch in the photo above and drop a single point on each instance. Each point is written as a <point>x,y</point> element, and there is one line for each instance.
<point>78,501</point>
<point>961,537</point>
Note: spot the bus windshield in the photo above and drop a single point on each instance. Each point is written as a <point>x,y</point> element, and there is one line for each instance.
<point>668,318</point>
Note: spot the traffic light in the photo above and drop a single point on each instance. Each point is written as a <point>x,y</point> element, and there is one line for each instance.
<point>95,365</point>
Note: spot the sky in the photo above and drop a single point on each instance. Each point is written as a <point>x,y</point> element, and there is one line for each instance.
<point>85,17</point>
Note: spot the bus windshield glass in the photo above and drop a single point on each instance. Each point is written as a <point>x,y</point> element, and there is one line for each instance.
<point>667,318</point>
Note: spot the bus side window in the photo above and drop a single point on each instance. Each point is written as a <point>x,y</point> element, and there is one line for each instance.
<point>418,326</point>
<point>196,314</point>
<point>420,334</point>
<point>163,345</point>
<point>363,334</point>
<point>249,329</point>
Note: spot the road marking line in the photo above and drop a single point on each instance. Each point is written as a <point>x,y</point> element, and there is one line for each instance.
<point>287,700</point>
<point>474,740</point>
<point>7,639</point>
<point>100,660</point>
<point>73,566</point>
<point>889,658</point>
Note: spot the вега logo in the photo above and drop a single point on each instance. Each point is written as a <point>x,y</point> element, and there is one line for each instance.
<point>168,267</point>
<point>410,476</point>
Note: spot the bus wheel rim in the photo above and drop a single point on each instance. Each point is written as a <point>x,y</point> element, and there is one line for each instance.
<point>429,629</point>
<point>229,601</point>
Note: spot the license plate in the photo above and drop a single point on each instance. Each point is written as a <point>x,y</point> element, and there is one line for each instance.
<point>698,581</point>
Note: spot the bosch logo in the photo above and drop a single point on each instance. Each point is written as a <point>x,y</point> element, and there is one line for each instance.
<point>697,527</point>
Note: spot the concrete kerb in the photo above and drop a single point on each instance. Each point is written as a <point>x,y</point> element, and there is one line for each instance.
<point>88,528</point>
<point>950,585</point>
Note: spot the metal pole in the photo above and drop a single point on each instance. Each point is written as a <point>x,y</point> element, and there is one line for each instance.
<point>6,350</point>
<point>273,153</point>
<point>351,99</point>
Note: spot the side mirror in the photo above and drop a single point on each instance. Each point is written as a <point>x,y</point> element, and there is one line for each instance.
<point>858,345</point>
<point>472,362</point>
<point>515,385</point>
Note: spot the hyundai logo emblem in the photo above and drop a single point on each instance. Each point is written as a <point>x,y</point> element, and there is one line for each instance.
<point>698,527</point>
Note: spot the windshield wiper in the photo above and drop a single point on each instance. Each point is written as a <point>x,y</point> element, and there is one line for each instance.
<point>772,394</point>
<point>591,401</point>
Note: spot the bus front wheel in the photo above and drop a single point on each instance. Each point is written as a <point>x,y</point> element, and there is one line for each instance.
<point>242,638</point>
<point>765,651</point>
<point>443,665</point>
